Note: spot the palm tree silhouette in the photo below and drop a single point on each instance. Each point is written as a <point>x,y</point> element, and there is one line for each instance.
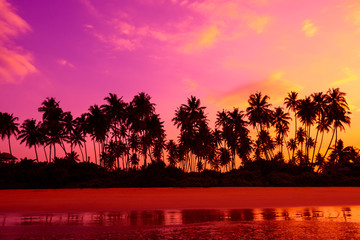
<point>171,147</point>
<point>99,126</point>
<point>281,123</point>
<point>52,122</point>
<point>291,103</point>
<point>306,110</point>
<point>337,112</point>
<point>188,117</point>
<point>31,134</point>
<point>260,115</point>
<point>319,99</point>
<point>8,127</point>
<point>141,109</point>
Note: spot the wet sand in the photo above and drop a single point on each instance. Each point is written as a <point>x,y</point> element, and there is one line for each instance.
<point>82,200</point>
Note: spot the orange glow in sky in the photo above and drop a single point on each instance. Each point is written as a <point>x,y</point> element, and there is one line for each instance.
<point>218,50</point>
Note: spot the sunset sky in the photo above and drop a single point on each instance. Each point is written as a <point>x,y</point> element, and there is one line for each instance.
<point>218,50</point>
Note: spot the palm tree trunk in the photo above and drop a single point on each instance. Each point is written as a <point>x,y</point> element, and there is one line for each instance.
<point>287,148</point>
<point>322,138</point>
<point>46,158</point>
<point>316,137</point>
<point>36,154</point>
<point>50,152</point>
<point>332,137</point>
<point>99,153</point>
<point>82,154</point>
<point>308,147</point>
<point>54,151</point>
<point>62,145</point>
<point>9,145</point>
<point>86,155</point>
<point>95,152</point>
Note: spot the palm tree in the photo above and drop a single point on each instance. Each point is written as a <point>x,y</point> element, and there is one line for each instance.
<point>31,134</point>
<point>292,145</point>
<point>301,137</point>
<point>337,112</point>
<point>260,115</point>
<point>171,147</point>
<point>99,126</point>
<point>8,127</point>
<point>306,111</point>
<point>76,138</point>
<point>189,117</point>
<point>52,122</point>
<point>281,123</point>
<point>291,103</point>
<point>115,110</point>
<point>321,118</point>
<point>224,156</point>
<point>140,111</point>
<point>82,127</point>
<point>238,134</point>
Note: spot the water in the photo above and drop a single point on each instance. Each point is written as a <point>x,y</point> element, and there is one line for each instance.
<point>48,214</point>
<point>276,223</point>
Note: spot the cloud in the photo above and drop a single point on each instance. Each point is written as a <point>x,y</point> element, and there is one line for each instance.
<point>257,23</point>
<point>90,8</point>
<point>63,62</point>
<point>350,76</point>
<point>15,62</point>
<point>276,87</point>
<point>203,40</point>
<point>309,28</point>
<point>190,84</point>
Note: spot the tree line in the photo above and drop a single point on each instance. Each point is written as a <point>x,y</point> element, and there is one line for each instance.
<point>123,134</point>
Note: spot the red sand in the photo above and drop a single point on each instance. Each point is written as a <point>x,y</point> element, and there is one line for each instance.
<point>65,200</point>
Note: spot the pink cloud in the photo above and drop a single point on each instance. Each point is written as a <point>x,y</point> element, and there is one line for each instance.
<point>276,86</point>
<point>15,62</point>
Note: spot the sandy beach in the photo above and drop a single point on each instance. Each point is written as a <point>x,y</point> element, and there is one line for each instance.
<point>68,200</point>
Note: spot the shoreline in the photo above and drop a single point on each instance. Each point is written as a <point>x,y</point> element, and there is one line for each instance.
<point>128,199</point>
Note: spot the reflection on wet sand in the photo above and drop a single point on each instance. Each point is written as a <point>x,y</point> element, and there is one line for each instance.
<point>179,217</point>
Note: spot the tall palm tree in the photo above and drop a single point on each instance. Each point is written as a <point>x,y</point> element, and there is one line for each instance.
<point>8,127</point>
<point>189,117</point>
<point>52,122</point>
<point>99,126</point>
<point>306,111</point>
<point>31,134</point>
<point>301,137</point>
<point>141,109</point>
<point>115,112</point>
<point>82,127</point>
<point>260,115</point>
<point>281,123</point>
<point>319,99</point>
<point>171,147</point>
<point>337,112</point>
<point>76,138</point>
<point>291,103</point>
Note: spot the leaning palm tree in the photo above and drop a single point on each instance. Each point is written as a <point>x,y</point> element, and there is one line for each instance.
<point>321,116</point>
<point>31,134</point>
<point>337,112</point>
<point>8,127</point>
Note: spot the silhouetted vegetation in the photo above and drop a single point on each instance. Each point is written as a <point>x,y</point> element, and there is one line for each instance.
<point>246,148</point>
